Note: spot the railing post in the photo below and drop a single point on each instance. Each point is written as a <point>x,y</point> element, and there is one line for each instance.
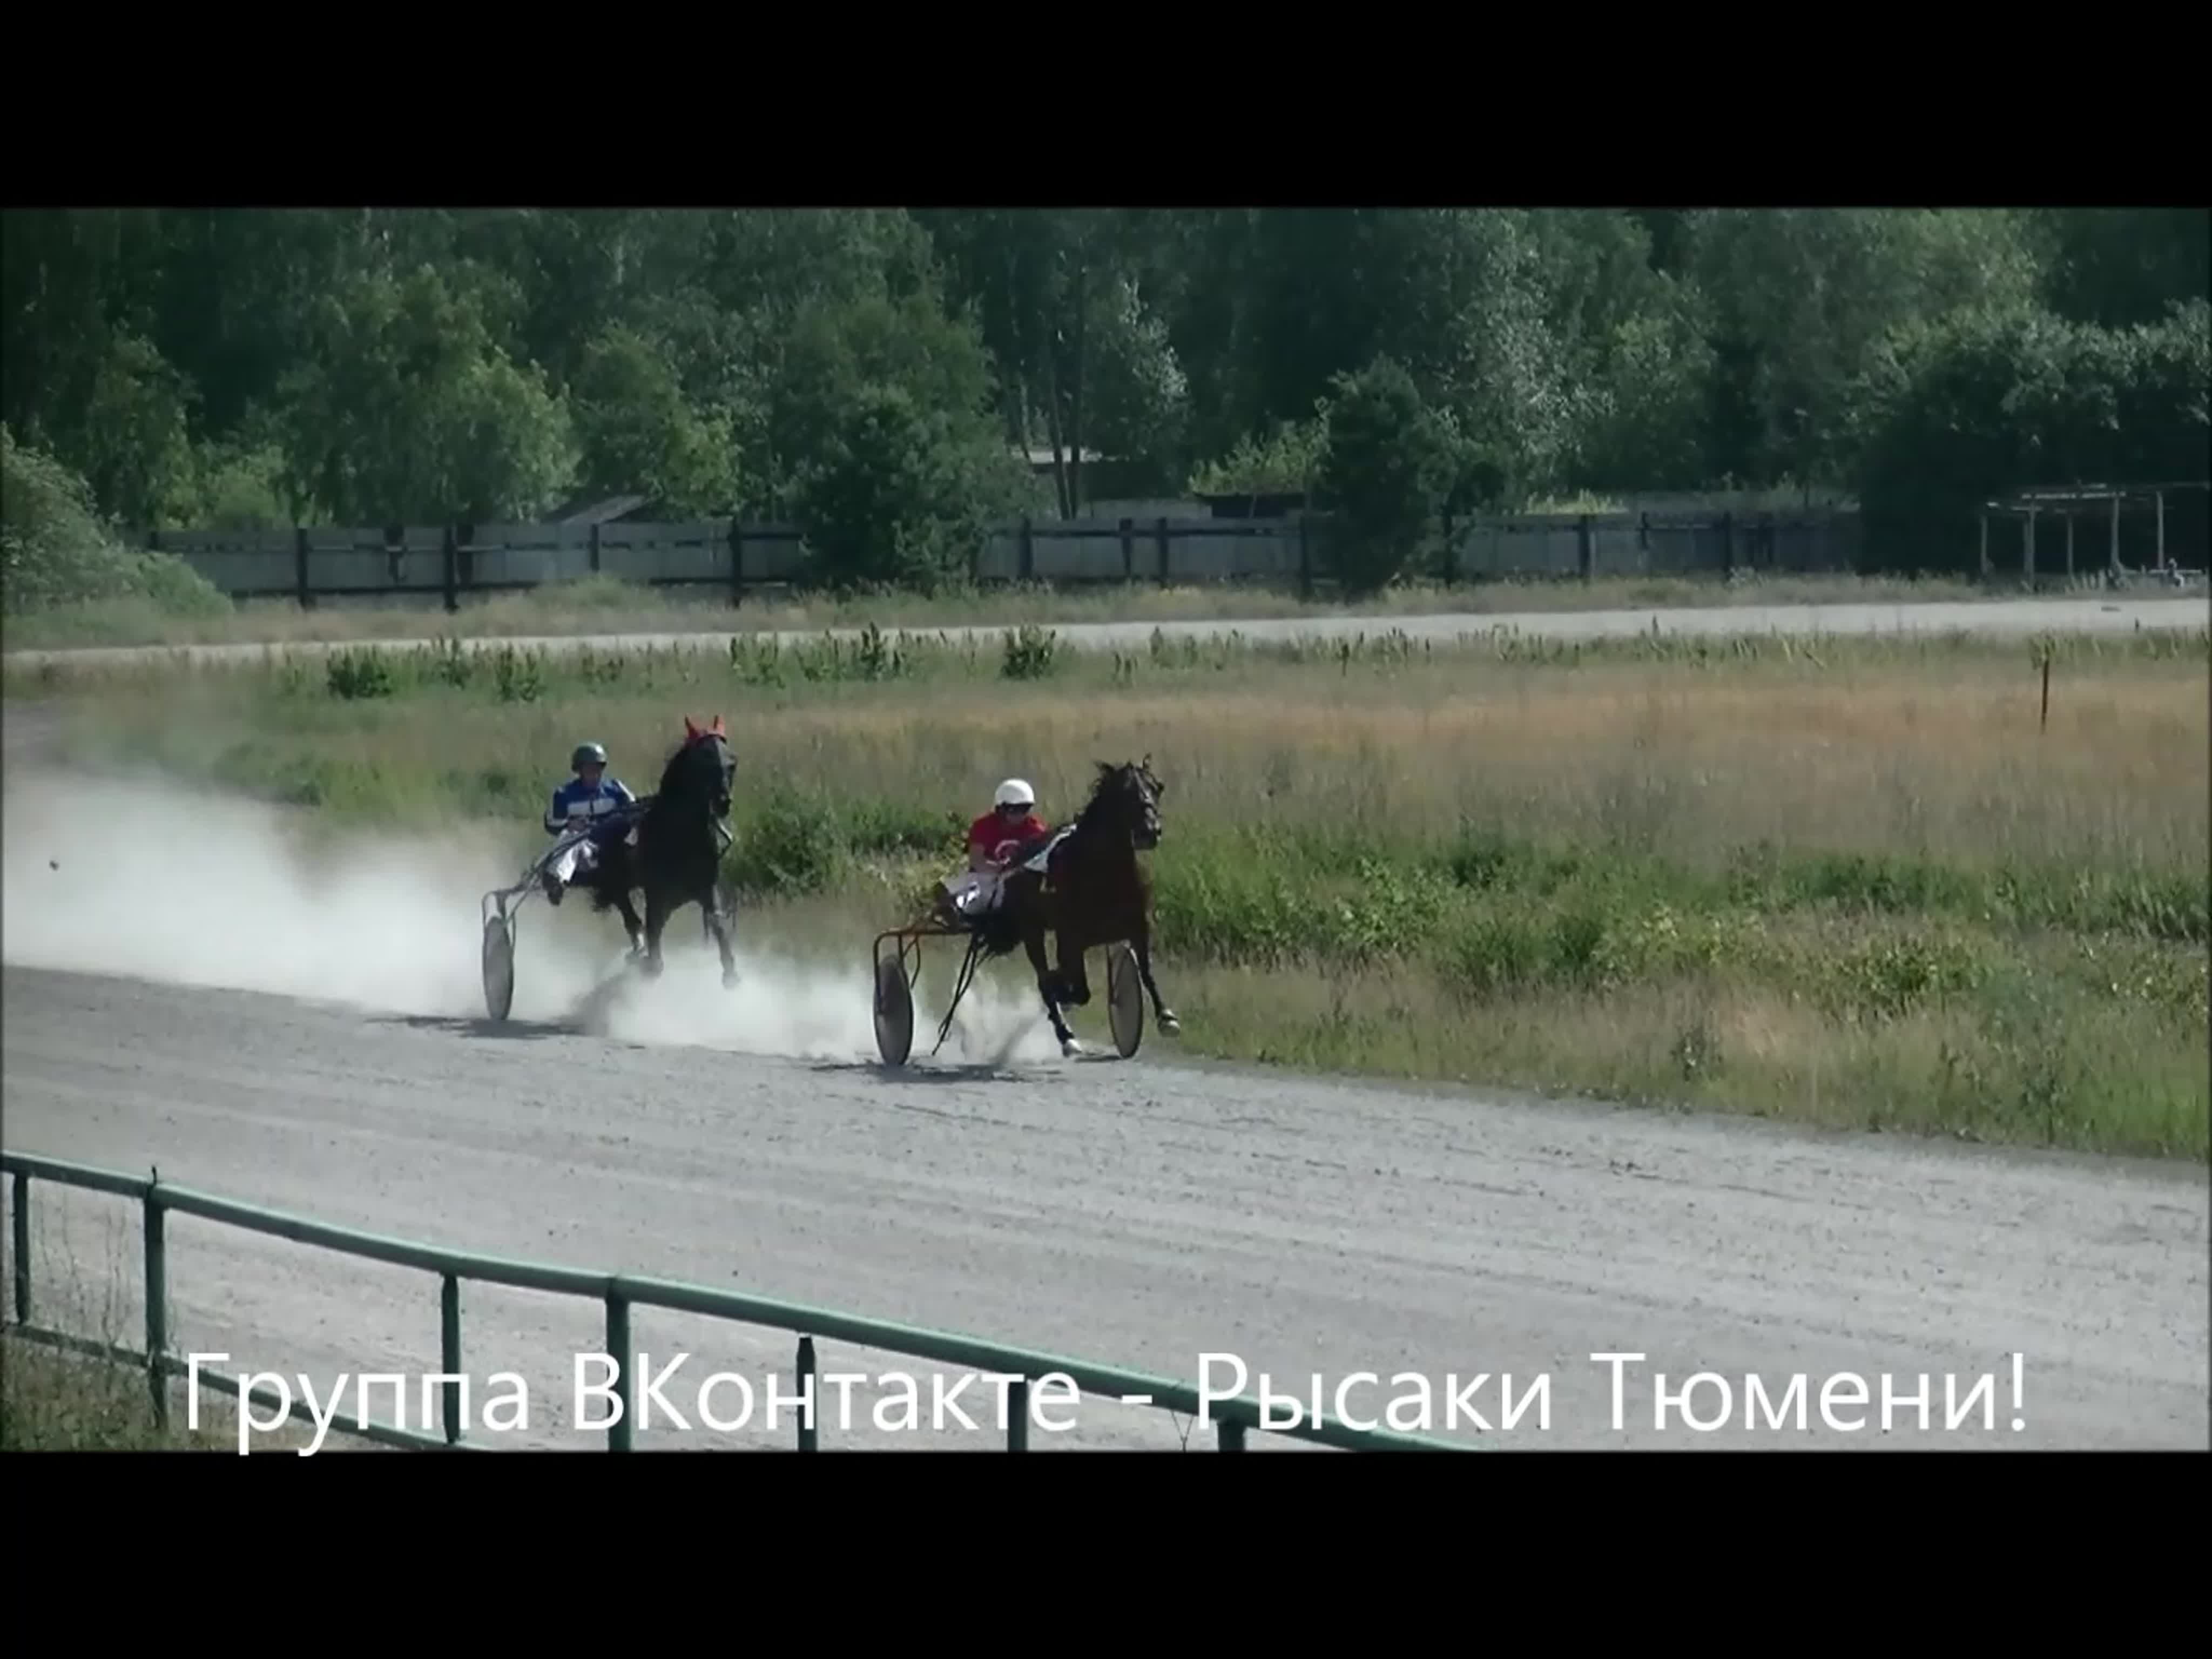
<point>449,1350</point>
<point>1018,1415</point>
<point>1232,1435</point>
<point>157,1299</point>
<point>22,1247</point>
<point>619,1351</point>
<point>807,1441</point>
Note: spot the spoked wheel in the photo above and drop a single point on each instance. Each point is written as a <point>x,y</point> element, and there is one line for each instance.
<point>1125,999</point>
<point>894,1010</point>
<point>499,966</point>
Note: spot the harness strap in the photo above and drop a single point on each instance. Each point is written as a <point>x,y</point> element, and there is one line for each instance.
<point>959,988</point>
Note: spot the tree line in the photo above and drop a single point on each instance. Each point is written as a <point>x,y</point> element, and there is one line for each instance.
<point>873,375</point>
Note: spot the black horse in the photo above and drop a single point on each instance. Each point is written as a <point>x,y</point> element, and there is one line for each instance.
<point>678,854</point>
<point>1094,892</point>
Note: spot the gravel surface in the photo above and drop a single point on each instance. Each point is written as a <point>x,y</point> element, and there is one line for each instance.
<point>1139,1214</point>
<point>1997,616</point>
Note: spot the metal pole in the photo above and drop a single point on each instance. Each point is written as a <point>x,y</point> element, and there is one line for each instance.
<point>618,1350</point>
<point>808,1439</point>
<point>1232,1435</point>
<point>449,1348</point>
<point>22,1185</point>
<point>157,1298</point>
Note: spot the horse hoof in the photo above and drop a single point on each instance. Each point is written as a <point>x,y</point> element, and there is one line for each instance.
<point>1069,1049</point>
<point>729,979</point>
<point>1170,1025</point>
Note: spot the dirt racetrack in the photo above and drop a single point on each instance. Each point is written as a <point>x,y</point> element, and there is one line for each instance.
<point>189,987</point>
<point>1139,1214</point>
<point>2014,617</point>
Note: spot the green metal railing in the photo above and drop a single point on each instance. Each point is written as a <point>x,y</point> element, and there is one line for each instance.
<point>621,1293</point>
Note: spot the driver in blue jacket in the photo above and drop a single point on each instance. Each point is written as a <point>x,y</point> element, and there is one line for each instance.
<point>584,810</point>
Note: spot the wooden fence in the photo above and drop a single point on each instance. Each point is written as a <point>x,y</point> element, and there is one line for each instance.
<point>455,561</point>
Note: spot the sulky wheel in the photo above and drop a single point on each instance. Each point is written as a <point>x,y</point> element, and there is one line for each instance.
<point>498,967</point>
<point>894,1011</point>
<point>1125,999</point>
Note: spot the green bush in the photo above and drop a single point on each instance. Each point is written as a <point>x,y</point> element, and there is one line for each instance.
<point>787,847</point>
<point>55,550</point>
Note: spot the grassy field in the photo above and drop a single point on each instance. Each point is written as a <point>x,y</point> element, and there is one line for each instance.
<point>1847,882</point>
<point>56,1401</point>
<point>602,606</point>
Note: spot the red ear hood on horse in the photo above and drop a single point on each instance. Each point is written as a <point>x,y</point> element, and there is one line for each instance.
<point>693,731</point>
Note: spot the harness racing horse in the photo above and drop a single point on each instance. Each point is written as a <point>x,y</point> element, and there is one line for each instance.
<point>1093,892</point>
<point>678,852</point>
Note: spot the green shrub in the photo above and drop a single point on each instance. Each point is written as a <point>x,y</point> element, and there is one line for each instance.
<point>787,847</point>
<point>55,550</point>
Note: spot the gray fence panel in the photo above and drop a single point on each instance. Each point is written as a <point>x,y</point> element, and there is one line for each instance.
<point>531,554</point>
<point>488,558</point>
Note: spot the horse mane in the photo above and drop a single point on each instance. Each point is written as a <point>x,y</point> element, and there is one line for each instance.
<point>694,734</point>
<point>668,767</point>
<point>1095,804</point>
<point>1098,803</point>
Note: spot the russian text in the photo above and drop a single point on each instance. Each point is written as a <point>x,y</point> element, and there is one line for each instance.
<point>727,1402</point>
<point>1846,1402</point>
<point>267,1401</point>
<point>1409,1408</point>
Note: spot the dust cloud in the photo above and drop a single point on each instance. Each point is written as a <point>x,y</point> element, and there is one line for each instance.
<point>154,879</point>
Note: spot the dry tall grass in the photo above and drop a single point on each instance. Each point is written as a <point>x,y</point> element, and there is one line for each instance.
<point>1928,749</point>
<point>1931,760</point>
<point>1848,881</point>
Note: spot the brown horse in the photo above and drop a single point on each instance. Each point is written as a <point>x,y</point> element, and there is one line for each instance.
<point>1093,892</point>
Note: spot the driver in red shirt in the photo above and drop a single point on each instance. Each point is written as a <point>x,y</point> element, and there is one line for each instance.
<point>993,840</point>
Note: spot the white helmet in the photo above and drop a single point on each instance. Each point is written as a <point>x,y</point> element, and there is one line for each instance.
<point>1016,792</point>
